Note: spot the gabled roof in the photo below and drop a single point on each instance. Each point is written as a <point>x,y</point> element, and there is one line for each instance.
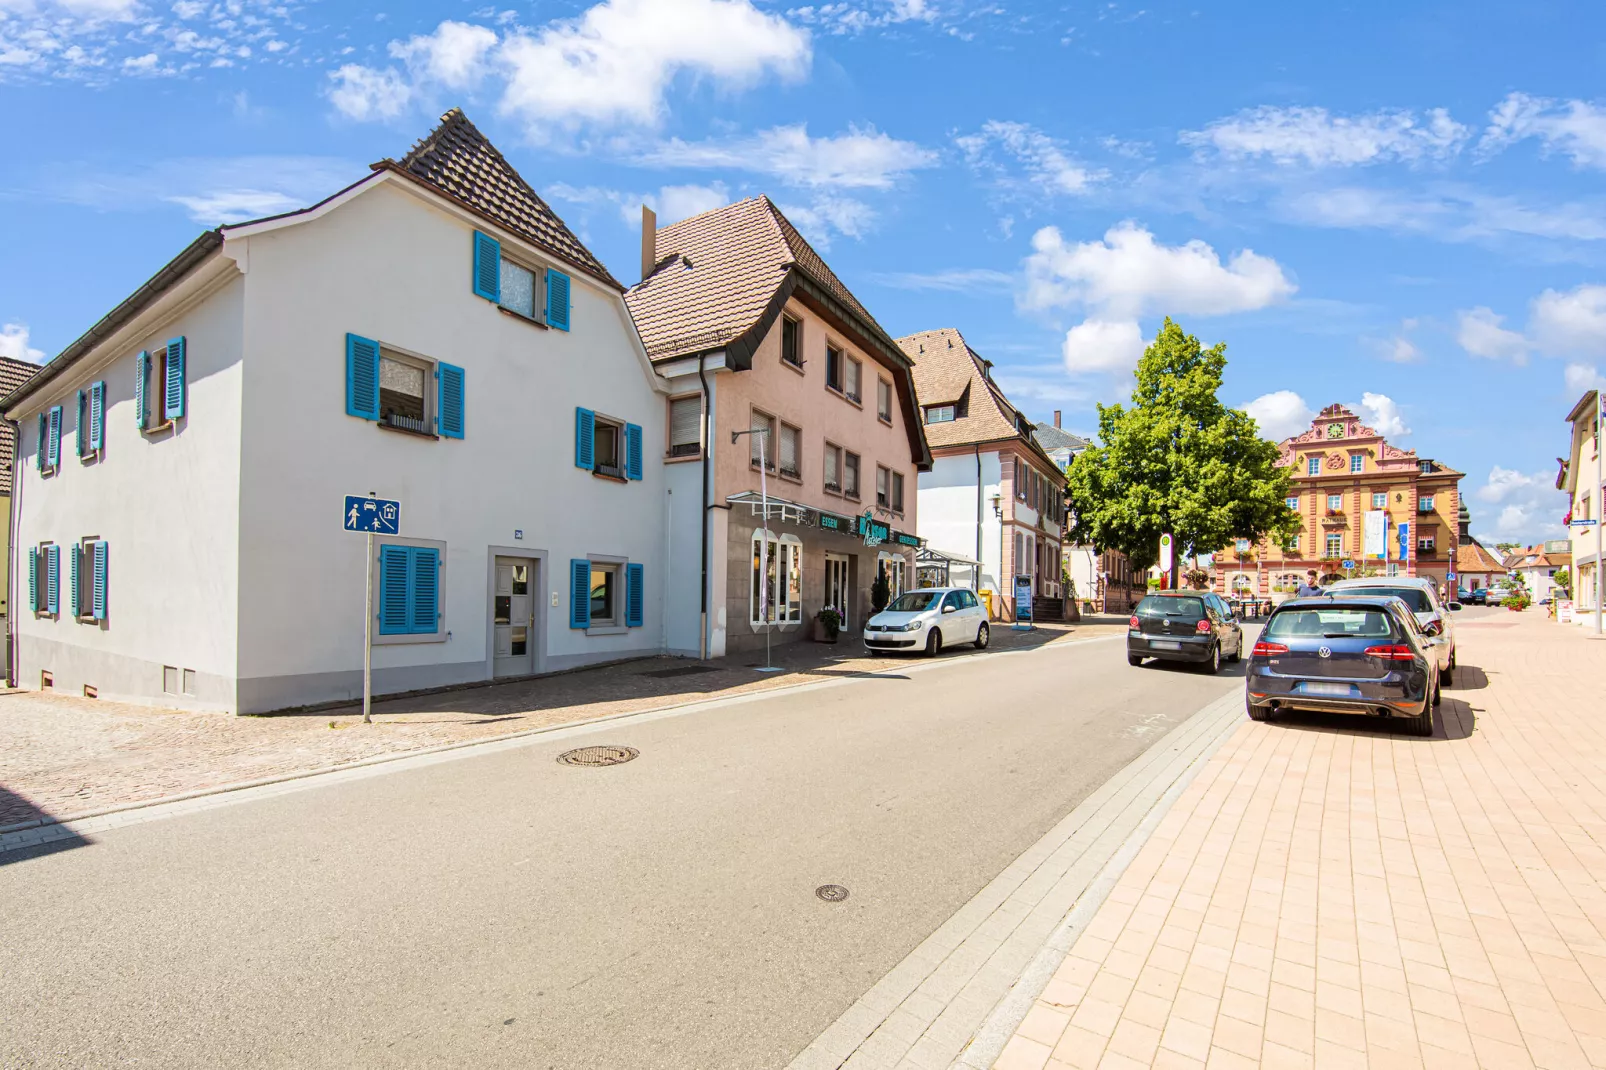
<point>13,373</point>
<point>1055,438</point>
<point>458,160</point>
<point>1471,557</point>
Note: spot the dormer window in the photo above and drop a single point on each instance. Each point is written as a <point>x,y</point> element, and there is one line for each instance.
<point>940,414</point>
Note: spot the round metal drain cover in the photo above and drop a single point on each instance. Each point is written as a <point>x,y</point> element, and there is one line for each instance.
<point>831,893</point>
<point>599,755</point>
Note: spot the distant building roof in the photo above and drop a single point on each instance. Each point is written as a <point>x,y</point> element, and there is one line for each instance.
<point>1472,558</point>
<point>13,373</point>
<point>1054,438</point>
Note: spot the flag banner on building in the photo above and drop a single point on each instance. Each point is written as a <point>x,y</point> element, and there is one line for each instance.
<point>1376,533</point>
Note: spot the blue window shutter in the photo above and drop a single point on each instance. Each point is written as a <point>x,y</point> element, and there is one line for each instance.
<point>585,439</point>
<point>97,416</point>
<point>97,600</point>
<point>55,436</point>
<point>173,390</point>
<point>635,594</point>
<point>394,569</point>
<point>53,578</point>
<point>362,377</point>
<point>426,589</point>
<point>580,593</point>
<point>142,372</point>
<point>82,437</point>
<point>33,578</point>
<point>487,267</point>
<point>449,401</point>
<point>633,451</point>
<point>74,591</point>
<point>557,299</point>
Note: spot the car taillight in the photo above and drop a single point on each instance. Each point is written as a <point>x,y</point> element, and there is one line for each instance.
<point>1433,627</point>
<point>1392,652</point>
<point>1133,622</point>
<point>1264,649</point>
<point>1203,627</point>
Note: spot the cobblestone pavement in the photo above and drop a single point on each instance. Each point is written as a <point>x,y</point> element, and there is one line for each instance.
<point>1329,894</point>
<point>63,756</point>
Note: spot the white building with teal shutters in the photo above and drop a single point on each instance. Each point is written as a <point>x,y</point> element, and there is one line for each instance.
<point>431,334</point>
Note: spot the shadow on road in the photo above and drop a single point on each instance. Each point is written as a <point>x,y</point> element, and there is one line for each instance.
<point>1469,678</point>
<point>18,810</point>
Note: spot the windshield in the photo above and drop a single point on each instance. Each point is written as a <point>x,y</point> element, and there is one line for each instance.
<point>1190,608</point>
<point>1415,597</point>
<point>915,602</point>
<point>1329,624</point>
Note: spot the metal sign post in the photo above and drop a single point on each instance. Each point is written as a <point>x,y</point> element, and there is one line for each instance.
<point>370,515</point>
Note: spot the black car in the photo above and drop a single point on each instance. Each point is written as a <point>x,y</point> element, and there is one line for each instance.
<point>1355,654</point>
<point>1477,596</point>
<point>1194,626</point>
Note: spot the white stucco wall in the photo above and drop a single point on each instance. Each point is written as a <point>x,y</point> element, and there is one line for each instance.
<point>167,505</point>
<point>388,266</point>
<point>948,510</point>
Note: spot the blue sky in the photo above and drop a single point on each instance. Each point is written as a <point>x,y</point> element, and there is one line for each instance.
<point>1396,206</point>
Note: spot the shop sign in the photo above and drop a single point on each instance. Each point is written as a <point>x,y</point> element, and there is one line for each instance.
<point>832,522</point>
<point>875,533</point>
<point>903,539</point>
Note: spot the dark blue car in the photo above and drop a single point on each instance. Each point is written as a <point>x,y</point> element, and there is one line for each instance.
<point>1344,655</point>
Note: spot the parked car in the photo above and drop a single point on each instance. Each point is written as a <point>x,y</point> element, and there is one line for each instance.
<point>929,619</point>
<point>1493,596</point>
<point>1478,596</point>
<point>1422,596</point>
<point>1194,626</point>
<point>1360,653</point>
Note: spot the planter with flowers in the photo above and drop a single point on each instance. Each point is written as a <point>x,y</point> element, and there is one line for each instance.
<point>1518,600</point>
<point>827,625</point>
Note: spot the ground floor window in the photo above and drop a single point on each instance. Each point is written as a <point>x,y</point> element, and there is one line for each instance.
<point>776,593</point>
<point>897,571</point>
<point>604,593</point>
<point>1335,545</point>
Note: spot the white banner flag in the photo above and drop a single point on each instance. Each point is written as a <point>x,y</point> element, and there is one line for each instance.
<point>1376,533</point>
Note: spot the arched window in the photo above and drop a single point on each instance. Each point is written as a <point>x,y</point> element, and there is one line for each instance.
<point>776,595</point>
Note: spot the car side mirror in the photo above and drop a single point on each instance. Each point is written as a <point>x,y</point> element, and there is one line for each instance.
<point>949,609</point>
<point>1455,607</point>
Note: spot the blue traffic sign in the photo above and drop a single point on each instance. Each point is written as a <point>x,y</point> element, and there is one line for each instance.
<point>378,515</point>
<point>1349,564</point>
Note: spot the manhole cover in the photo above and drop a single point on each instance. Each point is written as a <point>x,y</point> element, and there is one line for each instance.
<point>598,755</point>
<point>684,670</point>
<point>831,893</point>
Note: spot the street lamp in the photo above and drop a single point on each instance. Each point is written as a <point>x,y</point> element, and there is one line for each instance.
<point>763,434</point>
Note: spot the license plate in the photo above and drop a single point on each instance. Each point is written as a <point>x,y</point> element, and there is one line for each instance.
<point>1162,644</point>
<point>1327,689</point>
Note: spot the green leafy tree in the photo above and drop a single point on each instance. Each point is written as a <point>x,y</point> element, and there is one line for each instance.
<point>1178,460</point>
<point>1563,579</point>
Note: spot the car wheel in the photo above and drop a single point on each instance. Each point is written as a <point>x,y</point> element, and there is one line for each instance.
<point>1422,724</point>
<point>983,634</point>
<point>1213,666</point>
<point>933,642</point>
<point>1438,696</point>
<point>1256,713</point>
<point>1134,659</point>
<point>1449,674</point>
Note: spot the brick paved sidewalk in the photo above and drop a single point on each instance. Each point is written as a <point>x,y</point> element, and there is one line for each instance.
<point>1330,895</point>
<point>62,756</point>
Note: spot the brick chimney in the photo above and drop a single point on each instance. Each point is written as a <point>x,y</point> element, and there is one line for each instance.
<point>649,240</point>
<point>1056,418</point>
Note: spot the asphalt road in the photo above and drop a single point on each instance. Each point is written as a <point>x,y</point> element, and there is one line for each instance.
<point>501,909</point>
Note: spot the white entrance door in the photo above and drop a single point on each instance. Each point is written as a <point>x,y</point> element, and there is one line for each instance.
<point>837,591</point>
<point>511,617</point>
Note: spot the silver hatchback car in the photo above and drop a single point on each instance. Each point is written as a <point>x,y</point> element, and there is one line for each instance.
<point>1422,597</point>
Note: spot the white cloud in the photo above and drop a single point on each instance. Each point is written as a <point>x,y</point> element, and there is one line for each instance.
<point>363,93</point>
<point>1047,166</point>
<point>1129,273</point>
<point>1401,350</point>
<point>1530,507</point>
<point>863,158</point>
<point>236,205</point>
<point>955,280</point>
<point>671,203</point>
<point>1314,137</point>
<point>14,344</point>
<point>1384,415</point>
<point>682,202</point>
<point>1102,345</point>
<point>1044,385</point>
<point>454,56</point>
<point>1582,377</point>
<point>827,215</point>
<point>1280,414</point>
<point>1571,322</point>
<point>1452,213</point>
<point>1574,128</point>
<point>838,17</point>
<point>613,65</point>
<point>1480,333</point>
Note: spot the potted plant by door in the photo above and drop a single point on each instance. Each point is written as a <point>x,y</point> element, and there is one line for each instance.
<point>827,625</point>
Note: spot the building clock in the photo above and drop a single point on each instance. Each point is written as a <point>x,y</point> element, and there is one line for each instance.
<point>1335,430</point>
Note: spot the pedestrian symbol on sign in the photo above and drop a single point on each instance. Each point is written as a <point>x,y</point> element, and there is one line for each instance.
<point>378,515</point>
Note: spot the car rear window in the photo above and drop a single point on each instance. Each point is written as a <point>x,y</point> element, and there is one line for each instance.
<point>1189,608</point>
<point>1329,623</point>
<point>1415,597</point>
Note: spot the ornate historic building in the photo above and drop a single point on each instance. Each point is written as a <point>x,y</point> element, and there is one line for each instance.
<point>1343,470</point>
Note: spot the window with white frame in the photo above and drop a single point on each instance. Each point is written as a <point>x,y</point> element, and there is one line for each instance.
<point>686,426</point>
<point>940,414</point>
<point>852,374</point>
<point>833,468</point>
<point>1313,466</point>
<point>609,448</point>
<point>883,399</point>
<point>1425,544</point>
<point>1335,544</point>
<point>1380,500</point>
<point>519,289</point>
<point>1020,480</point>
<point>604,594</point>
<point>792,341</point>
<point>1292,503</point>
<point>850,474</point>
<point>776,593</point>
<point>789,451</point>
<point>1356,462</point>
<point>1424,505</point>
<point>761,443</point>
<point>1335,503</point>
<point>404,400</point>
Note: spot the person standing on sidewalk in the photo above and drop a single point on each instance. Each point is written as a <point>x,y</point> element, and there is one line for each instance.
<point>1310,588</point>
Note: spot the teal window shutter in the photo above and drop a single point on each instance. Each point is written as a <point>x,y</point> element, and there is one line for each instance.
<point>43,459</point>
<point>635,594</point>
<point>74,591</point>
<point>557,299</point>
<point>585,439</point>
<point>425,593</point>
<point>53,578</point>
<point>97,600</point>
<point>449,401</point>
<point>487,267</point>
<point>395,568</point>
<point>81,438</point>
<point>173,389</point>
<point>580,593</point>
<point>633,451</point>
<point>142,374</point>
<point>362,377</point>
<point>97,416</point>
<point>54,457</point>
<point>33,578</point>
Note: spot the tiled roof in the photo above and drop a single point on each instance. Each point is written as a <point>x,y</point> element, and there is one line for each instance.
<point>457,159</point>
<point>13,373</point>
<point>1471,557</point>
<point>946,369</point>
<point>717,274</point>
<point>1055,438</point>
